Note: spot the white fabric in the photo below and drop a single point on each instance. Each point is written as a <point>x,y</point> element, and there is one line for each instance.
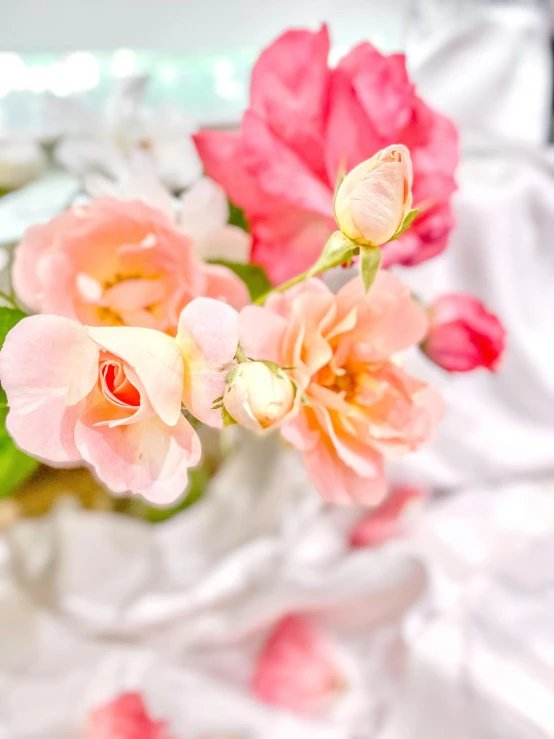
<point>486,64</point>
<point>483,666</point>
<point>92,604</point>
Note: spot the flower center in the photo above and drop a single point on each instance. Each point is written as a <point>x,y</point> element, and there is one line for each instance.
<point>116,386</point>
<point>125,298</point>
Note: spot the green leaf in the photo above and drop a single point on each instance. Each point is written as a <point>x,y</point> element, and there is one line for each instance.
<point>231,377</point>
<point>15,466</point>
<point>370,260</point>
<point>252,275</point>
<point>228,419</point>
<point>338,250</point>
<point>237,217</point>
<point>406,225</point>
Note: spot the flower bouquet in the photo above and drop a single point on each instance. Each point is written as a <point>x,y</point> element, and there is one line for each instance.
<point>156,334</point>
<point>140,337</point>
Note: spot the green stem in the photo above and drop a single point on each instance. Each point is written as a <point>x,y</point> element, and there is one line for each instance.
<point>324,263</point>
<point>9,299</point>
<point>284,286</point>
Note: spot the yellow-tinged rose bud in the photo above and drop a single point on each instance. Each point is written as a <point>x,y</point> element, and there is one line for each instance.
<point>259,395</point>
<point>375,197</point>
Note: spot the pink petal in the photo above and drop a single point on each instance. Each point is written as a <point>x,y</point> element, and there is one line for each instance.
<point>281,172</point>
<point>134,294</point>
<point>47,366</point>
<point>338,483</point>
<point>289,88</point>
<point>351,136</point>
<point>390,319</point>
<point>298,668</point>
<point>147,458</point>
<point>156,359</point>
<point>35,241</point>
<point>288,241</point>
<point>382,86</point>
<point>125,717</point>
<point>388,520</point>
<point>222,284</point>
<point>208,339</point>
<point>221,154</point>
<point>261,333</point>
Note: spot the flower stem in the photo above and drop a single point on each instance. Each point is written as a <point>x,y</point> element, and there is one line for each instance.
<point>9,299</point>
<point>336,251</point>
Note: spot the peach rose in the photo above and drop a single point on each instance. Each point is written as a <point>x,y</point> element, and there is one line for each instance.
<point>116,263</point>
<point>375,197</point>
<point>360,405</point>
<point>112,396</point>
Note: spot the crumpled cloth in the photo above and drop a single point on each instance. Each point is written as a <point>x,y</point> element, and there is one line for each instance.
<point>93,604</point>
<point>482,666</point>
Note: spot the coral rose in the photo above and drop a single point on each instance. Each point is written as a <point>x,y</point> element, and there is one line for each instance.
<point>116,263</point>
<point>125,717</point>
<point>359,405</point>
<point>464,335</point>
<point>112,396</point>
<point>307,122</point>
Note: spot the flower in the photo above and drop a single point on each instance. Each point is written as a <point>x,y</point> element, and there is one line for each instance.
<point>359,405</point>
<point>116,263</point>
<point>298,668</point>
<point>388,520</point>
<point>375,197</point>
<point>93,142</point>
<point>111,396</point>
<point>305,124</point>
<point>125,717</point>
<point>201,212</point>
<point>259,396</point>
<point>464,335</point>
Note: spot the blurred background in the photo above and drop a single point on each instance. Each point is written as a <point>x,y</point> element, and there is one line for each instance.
<point>93,603</point>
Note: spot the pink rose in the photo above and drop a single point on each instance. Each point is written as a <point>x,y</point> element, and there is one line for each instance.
<point>298,668</point>
<point>125,717</point>
<point>389,520</point>
<point>306,123</point>
<point>112,396</point>
<point>116,263</point>
<point>464,335</point>
<point>361,405</point>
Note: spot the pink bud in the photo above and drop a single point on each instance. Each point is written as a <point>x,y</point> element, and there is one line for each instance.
<point>260,396</point>
<point>464,335</point>
<point>375,197</point>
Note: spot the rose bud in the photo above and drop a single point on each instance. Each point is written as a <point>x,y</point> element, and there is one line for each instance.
<point>259,396</point>
<point>374,199</point>
<point>464,335</point>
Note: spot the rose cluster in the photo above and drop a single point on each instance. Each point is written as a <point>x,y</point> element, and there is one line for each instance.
<point>137,340</point>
